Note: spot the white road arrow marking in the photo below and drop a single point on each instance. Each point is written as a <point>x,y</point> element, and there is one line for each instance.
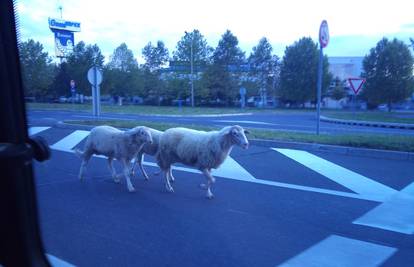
<point>356,182</point>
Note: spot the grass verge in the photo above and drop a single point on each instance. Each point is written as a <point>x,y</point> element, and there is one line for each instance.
<point>375,116</point>
<point>397,143</point>
<point>163,110</point>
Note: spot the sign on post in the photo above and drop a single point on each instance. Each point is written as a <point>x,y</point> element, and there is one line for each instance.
<point>95,79</point>
<point>323,41</point>
<point>356,84</point>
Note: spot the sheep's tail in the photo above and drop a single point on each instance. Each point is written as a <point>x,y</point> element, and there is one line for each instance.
<point>79,153</point>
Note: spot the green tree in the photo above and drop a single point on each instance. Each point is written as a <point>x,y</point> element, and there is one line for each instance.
<point>201,50</point>
<point>123,59</point>
<point>221,83</point>
<point>80,61</point>
<point>388,70</point>
<point>122,76</point>
<point>155,56</point>
<point>298,72</point>
<point>61,81</point>
<point>338,92</point>
<point>264,67</point>
<point>37,70</point>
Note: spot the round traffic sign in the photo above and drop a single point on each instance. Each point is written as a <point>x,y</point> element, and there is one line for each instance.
<point>324,34</point>
<point>95,73</point>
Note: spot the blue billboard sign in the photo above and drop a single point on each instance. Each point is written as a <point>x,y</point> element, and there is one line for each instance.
<point>64,42</point>
<point>60,24</point>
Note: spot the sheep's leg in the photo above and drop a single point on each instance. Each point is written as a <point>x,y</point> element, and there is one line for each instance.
<point>210,181</point>
<point>85,160</point>
<point>167,180</point>
<point>172,179</point>
<point>140,158</point>
<point>113,171</point>
<point>127,172</point>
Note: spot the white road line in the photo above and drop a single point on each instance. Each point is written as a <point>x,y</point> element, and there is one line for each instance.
<point>56,262</point>
<point>396,214</point>
<point>70,141</point>
<point>36,130</point>
<point>242,121</point>
<point>347,178</point>
<point>341,251</point>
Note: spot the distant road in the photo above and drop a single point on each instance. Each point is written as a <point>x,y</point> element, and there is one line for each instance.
<point>291,121</point>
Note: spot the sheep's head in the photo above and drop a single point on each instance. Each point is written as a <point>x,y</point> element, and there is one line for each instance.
<point>238,136</point>
<point>142,135</point>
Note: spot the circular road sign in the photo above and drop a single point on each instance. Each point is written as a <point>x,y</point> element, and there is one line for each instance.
<point>91,75</point>
<point>324,34</point>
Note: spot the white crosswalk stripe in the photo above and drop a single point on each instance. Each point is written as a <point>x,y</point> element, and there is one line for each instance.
<point>356,182</point>
<point>341,251</point>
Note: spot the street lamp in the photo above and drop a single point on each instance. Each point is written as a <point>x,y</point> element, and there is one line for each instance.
<point>191,66</point>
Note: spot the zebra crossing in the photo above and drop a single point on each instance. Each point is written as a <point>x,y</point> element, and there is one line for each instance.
<point>394,212</point>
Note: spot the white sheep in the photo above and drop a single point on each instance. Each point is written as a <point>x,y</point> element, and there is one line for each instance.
<point>115,144</point>
<point>199,149</point>
<point>149,149</point>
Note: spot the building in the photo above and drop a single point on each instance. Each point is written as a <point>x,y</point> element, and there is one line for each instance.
<point>345,67</point>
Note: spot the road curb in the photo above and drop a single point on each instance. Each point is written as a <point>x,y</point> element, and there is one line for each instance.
<point>344,150</point>
<point>369,123</point>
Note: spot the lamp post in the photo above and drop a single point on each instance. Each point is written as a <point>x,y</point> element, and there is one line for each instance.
<point>191,67</point>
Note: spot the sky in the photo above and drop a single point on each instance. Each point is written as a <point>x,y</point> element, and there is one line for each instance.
<point>355,26</point>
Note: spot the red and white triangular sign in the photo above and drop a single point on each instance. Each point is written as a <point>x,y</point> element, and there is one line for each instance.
<point>356,84</point>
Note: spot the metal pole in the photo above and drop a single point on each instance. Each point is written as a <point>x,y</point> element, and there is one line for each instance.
<point>318,104</point>
<point>192,82</point>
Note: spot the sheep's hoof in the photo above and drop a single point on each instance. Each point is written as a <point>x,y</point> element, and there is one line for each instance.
<point>80,178</point>
<point>209,195</point>
<point>146,178</point>
<point>169,189</point>
<point>131,190</point>
<point>203,186</point>
<point>117,181</point>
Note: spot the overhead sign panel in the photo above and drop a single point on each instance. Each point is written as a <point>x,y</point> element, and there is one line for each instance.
<point>60,24</point>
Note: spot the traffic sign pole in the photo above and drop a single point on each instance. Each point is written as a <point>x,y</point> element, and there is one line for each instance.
<point>319,93</point>
<point>95,79</point>
<point>323,42</point>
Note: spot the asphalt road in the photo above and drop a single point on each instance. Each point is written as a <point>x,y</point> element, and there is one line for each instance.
<point>272,207</point>
<point>292,121</point>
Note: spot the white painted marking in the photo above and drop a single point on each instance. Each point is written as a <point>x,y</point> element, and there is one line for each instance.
<point>102,117</point>
<point>56,262</point>
<point>243,121</point>
<point>70,141</point>
<point>396,214</point>
<point>36,130</point>
<point>347,178</point>
<point>341,251</point>
<point>229,169</point>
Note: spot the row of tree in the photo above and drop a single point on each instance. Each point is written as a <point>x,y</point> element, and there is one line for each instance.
<point>219,72</point>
